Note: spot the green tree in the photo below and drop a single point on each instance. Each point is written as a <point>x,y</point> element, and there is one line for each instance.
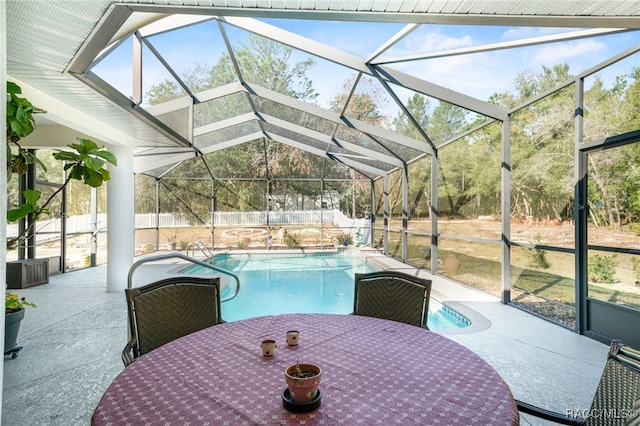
<point>446,122</point>
<point>542,145</point>
<point>262,62</point>
<point>632,98</point>
<point>455,162</point>
<point>613,180</point>
<point>364,105</point>
<point>419,107</point>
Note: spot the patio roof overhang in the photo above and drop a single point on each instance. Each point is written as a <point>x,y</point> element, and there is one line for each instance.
<point>53,46</point>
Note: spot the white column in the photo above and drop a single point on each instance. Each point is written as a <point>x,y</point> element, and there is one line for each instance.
<point>120,219</point>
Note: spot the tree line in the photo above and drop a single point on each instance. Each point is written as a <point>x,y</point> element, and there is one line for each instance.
<point>469,184</point>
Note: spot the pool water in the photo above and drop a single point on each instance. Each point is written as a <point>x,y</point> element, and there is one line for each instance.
<point>304,283</point>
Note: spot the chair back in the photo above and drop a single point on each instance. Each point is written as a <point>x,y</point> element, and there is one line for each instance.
<point>619,388</point>
<point>392,295</point>
<point>165,310</point>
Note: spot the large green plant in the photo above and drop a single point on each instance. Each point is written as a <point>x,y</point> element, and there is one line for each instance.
<point>85,161</point>
<point>20,123</point>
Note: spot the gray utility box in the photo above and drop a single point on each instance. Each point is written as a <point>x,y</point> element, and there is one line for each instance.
<point>27,273</point>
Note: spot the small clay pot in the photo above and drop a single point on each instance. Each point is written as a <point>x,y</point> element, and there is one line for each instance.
<point>304,388</point>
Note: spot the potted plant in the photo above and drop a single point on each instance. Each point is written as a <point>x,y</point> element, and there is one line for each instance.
<point>183,245</point>
<point>302,381</point>
<point>344,239</point>
<point>14,308</point>
<point>292,240</point>
<point>171,234</point>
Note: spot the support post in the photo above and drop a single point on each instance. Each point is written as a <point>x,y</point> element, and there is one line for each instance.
<point>94,226</point>
<point>434,212</point>
<point>157,208</point>
<point>31,184</point>
<point>506,211</point>
<point>385,220</point>
<point>405,212</point>
<point>372,231</point>
<point>213,214</point>
<point>580,213</point>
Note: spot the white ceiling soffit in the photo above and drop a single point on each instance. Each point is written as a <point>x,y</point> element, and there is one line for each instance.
<point>47,41</point>
<point>42,40</point>
<point>550,13</point>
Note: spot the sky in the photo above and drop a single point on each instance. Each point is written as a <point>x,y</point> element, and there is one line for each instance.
<point>479,75</point>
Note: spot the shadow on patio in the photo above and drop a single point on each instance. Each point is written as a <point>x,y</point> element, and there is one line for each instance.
<point>73,339</point>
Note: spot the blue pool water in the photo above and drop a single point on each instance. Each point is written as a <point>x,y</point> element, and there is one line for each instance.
<point>304,283</point>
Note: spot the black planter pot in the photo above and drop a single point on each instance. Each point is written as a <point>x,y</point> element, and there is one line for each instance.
<point>11,329</point>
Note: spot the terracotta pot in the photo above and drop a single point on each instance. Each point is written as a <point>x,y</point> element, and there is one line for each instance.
<point>303,389</point>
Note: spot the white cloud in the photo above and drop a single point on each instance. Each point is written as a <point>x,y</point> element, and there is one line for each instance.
<point>437,41</point>
<point>529,32</point>
<point>557,52</point>
<point>479,75</point>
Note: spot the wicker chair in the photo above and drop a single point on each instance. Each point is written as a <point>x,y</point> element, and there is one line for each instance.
<point>392,295</point>
<point>617,396</point>
<point>168,309</point>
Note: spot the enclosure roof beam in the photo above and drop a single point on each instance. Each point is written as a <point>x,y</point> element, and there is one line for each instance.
<point>369,129</point>
<point>222,124</point>
<point>208,95</point>
<point>143,163</point>
<point>358,64</point>
<point>359,166</point>
<point>533,41</point>
<point>321,137</point>
<point>310,149</point>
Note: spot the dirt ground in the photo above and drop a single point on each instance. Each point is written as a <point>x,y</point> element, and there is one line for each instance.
<point>537,232</point>
<point>544,233</point>
<point>237,237</point>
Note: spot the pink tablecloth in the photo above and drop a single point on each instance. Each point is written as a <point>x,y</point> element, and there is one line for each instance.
<point>374,372</point>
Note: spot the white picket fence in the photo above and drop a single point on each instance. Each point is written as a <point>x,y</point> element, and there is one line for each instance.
<point>253,218</point>
<point>49,229</point>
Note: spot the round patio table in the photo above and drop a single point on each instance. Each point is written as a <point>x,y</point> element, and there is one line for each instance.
<point>375,371</point>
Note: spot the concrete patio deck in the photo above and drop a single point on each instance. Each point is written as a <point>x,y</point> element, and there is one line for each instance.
<point>73,339</point>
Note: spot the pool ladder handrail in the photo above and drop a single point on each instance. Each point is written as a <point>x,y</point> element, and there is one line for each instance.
<point>187,258</point>
<point>200,246</point>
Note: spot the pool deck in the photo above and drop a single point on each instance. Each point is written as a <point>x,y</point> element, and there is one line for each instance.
<point>73,339</point>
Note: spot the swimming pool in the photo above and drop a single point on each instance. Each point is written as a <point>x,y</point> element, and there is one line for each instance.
<point>304,283</point>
